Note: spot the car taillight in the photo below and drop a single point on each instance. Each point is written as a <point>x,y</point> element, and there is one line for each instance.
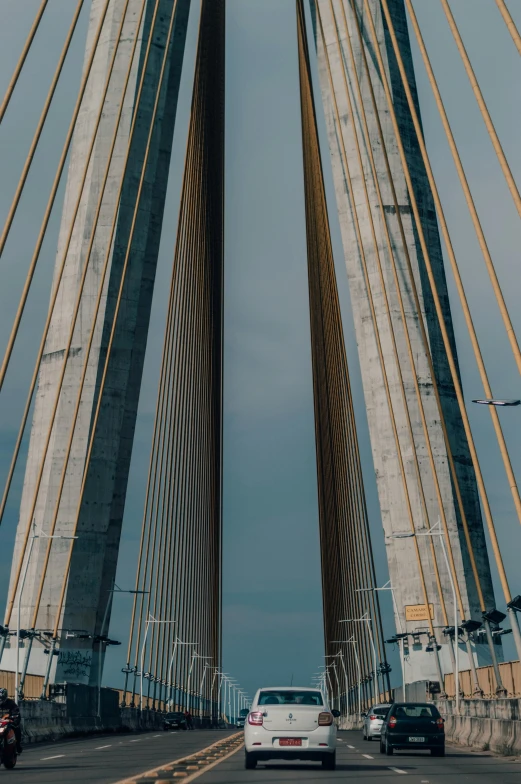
<point>392,722</point>
<point>440,722</point>
<point>255,718</point>
<point>373,717</point>
<point>325,719</point>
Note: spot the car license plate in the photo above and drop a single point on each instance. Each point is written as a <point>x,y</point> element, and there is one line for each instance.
<point>416,740</point>
<point>290,741</point>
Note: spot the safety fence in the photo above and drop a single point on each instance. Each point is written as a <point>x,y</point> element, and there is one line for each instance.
<point>33,685</point>
<point>510,673</point>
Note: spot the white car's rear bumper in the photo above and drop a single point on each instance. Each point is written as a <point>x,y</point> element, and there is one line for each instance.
<point>265,744</point>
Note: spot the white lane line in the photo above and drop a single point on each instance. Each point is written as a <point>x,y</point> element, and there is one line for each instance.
<point>397,770</point>
<point>136,740</point>
<point>367,756</point>
<point>349,747</point>
<point>157,736</point>
<point>56,756</point>
<point>103,747</point>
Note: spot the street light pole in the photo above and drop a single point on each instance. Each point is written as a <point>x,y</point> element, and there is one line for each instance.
<point>34,536</point>
<point>369,621</point>
<point>150,620</point>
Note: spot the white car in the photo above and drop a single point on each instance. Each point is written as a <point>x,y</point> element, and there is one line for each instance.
<point>373,721</point>
<point>293,723</point>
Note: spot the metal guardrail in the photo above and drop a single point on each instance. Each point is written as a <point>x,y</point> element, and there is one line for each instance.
<point>33,685</point>
<point>510,675</point>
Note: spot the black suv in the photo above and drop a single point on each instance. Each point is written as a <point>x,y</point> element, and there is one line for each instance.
<point>413,725</point>
<point>175,721</point>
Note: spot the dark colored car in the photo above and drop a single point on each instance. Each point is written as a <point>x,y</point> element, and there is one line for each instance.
<point>413,725</point>
<point>175,721</point>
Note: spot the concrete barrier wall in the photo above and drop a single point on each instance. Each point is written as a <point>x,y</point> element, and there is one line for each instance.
<point>493,725</point>
<point>76,714</point>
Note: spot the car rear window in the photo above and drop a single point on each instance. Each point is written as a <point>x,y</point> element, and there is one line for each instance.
<point>283,697</point>
<point>380,711</point>
<point>416,712</point>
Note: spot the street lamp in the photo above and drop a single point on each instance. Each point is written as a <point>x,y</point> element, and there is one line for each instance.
<point>388,587</point>
<point>177,642</point>
<point>354,642</point>
<point>365,618</point>
<point>34,536</point>
<point>100,638</point>
<point>150,620</point>
<point>498,403</point>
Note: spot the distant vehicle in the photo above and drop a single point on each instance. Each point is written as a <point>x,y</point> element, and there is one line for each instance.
<point>239,722</point>
<point>243,712</point>
<point>413,725</point>
<point>373,721</point>
<point>290,723</point>
<point>175,721</point>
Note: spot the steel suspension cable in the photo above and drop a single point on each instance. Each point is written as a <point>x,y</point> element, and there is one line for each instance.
<point>459,283</point>
<point>22,59</point>
<point>61,267</point>
<point>433,286</point>
<point>516,197</point>
<point>52,197</point>
<point>77,308</point>
<point>39,127</point>
<point>507,18</point>
<point>387,308</point>
<point>388,394</point>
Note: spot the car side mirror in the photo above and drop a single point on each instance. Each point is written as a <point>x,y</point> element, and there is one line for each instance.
<point>336,713</point>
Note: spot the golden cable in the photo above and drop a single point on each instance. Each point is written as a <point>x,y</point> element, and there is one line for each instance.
<point>386,384</point>
<point>72,430</point>
<point>391,253</point>
<point>432,282</point>
<point>39,128</point>
<point>507,18</point>
<point>50,203</point>
<point>168,42</point>
<point>61,268</point>
<point>459,284</point>
<point>473,214</point>
<point>387,310</point>
<point>183,298</point>
<point>421,324</point>
<point>22,59</point>
<point>76,311</point>
<point>483,107</point>
<point>339,428</point>
<point>176,295</point>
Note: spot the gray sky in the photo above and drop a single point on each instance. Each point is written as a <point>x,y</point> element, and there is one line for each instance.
<point>272,598</point>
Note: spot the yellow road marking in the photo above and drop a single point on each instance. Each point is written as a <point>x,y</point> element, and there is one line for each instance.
<point>154,773</point>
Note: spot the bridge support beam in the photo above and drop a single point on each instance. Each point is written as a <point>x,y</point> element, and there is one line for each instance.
<point>98,524</point>
<point>334,25</point>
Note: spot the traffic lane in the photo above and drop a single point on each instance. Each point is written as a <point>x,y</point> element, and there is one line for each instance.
<point>360,760</point>
<point>109,758</point>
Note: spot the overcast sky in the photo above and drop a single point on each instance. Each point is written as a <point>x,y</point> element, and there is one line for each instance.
<point>272,595</point>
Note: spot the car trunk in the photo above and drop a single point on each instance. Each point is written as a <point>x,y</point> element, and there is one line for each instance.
<point>290,718</point>
<point>416,725</point>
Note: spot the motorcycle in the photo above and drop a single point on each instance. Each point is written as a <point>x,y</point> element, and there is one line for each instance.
<point>8,755</point>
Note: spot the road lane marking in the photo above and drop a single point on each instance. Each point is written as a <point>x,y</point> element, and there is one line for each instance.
<point>136,740</point>
<point>103,747</point>
<point>56,756</point>
<point>205,759</point>
<point>367,756</point>
<point>349,747</point>
<point>398,770</point>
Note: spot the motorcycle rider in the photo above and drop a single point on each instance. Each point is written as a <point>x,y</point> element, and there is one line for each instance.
<point>9,706</point>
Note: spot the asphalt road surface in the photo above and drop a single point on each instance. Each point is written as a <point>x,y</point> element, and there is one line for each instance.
<point>361,761</point>
<point>106,758</point>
